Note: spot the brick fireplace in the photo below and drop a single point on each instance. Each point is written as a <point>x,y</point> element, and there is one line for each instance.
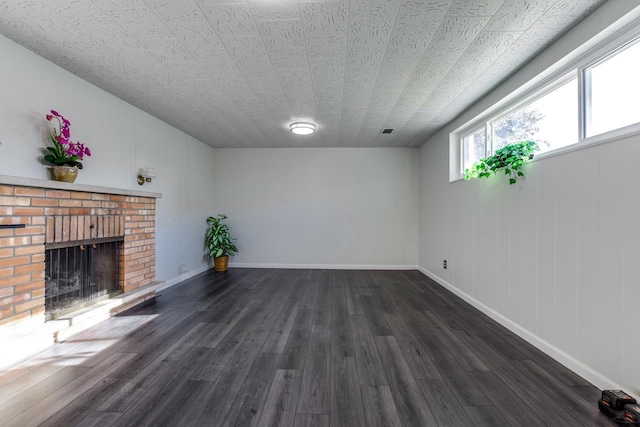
<point>34,215</point>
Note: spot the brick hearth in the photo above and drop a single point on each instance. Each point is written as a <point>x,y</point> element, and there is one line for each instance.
<point>44,211</point>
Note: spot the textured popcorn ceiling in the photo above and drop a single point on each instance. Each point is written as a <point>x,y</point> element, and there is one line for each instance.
<point>235,73</point>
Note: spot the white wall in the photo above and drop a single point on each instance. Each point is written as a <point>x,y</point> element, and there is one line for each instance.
<point>555,257</point>
<point>320,206</point>
<point>122,139</point>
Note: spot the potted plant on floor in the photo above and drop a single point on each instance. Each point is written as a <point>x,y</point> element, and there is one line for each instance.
<point>220,242</point>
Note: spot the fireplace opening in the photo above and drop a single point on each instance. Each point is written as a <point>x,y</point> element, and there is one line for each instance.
<point>77,276</point>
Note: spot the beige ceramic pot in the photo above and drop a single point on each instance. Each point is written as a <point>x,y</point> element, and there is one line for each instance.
<point>65,173</point>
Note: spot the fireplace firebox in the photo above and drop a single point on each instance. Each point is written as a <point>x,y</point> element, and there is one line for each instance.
<point>79,275</point>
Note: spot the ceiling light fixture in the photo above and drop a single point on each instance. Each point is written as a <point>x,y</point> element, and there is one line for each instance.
<point>302,128</point>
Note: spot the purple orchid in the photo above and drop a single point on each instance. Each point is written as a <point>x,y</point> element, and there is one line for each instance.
<point>64,152</point>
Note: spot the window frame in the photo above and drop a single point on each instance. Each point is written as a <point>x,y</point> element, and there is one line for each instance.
<point>541,86</point>
<point>473,131</point>
<point>533,97</point>
<point>616,48</point>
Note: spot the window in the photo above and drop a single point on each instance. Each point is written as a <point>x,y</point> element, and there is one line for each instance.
<point>474,147</point>
<point>550,114</point>
<point>612,91</point>
<point>551,120</point>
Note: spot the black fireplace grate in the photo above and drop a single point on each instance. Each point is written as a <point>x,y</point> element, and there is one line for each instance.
<point>79,275</point>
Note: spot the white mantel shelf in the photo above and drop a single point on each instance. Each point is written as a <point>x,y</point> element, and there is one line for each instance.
<point>41,183</point>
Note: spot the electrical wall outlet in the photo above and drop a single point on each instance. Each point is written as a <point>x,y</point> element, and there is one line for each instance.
<point>183,268</point>
<point>444,264</point>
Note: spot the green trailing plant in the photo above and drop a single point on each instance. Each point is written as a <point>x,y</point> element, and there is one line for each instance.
<point>509,158</point>
<point>218,239</point>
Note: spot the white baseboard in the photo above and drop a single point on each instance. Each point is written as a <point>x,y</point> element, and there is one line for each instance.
<point>181,278</point>
<point>323,266</point>
<point>594,377</point>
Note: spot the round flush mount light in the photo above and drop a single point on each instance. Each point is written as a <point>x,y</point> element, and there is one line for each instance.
<point>302,128</point>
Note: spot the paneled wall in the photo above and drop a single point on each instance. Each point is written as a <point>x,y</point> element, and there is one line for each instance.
<point>557,254</point>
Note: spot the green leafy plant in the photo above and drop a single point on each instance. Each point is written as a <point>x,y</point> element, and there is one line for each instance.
<point>510,158</point>
<point>219,240</point>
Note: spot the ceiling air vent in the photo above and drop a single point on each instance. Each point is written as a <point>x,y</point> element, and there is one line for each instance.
<point>387,130</point>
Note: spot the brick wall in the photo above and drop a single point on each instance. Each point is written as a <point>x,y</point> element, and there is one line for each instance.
<point>22,249</point>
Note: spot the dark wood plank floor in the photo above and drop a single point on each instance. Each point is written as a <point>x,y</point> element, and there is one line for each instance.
<point>255,347</point>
